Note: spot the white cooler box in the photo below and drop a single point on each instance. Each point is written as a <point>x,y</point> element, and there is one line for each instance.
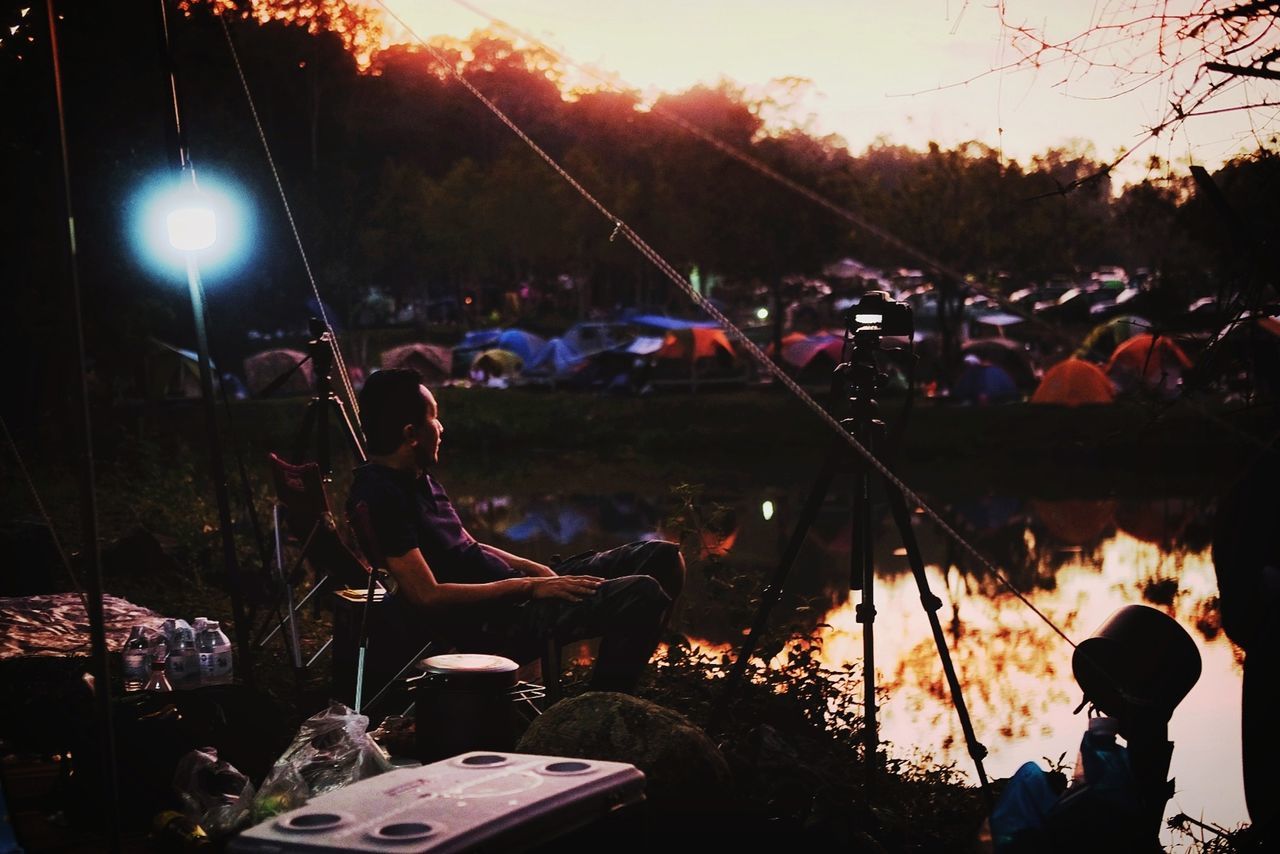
<point>478,799</point>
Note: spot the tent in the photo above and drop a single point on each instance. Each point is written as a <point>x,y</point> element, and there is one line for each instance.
<point>1153,361</point>
<point>1005,353</point>
<point>263,369</point>
<point>800,352</point>
<point>472,344</point>
<point>496,364</point>
<point>431,361</point>
<point>660,322</point>
<point>588,338</point>
<point>172,373</point>
<point>982,383</point>
<point>526,345</point>
<point>557,360</point>
<point>1073,382</point>
<point>1103,339</point>
<point>694,343</point>
<point>695,354</point>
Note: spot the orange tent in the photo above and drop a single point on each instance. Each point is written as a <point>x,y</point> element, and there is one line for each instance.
<point>1156,359</point>
<point>1073,382</point>
<point>693,344</point>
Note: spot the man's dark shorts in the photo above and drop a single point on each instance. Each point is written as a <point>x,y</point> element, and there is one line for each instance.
<point>642,580</point>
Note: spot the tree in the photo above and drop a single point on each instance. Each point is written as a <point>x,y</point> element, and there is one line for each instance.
<point>1211,56</point>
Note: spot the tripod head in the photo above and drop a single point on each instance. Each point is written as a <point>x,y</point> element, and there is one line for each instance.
<point>320,348</point>
<point>316,422</point>
<point>866,323</point>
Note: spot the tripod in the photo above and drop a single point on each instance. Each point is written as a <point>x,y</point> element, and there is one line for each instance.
<point>309,513</point>
<point>316,420</point>
<point>860,376</point>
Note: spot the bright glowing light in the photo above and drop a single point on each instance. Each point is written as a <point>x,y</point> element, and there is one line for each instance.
<point>192,229</point>
<point>766,510</point>
<point>762,313</point>
<point>868,319</point>
<point>169,219</point>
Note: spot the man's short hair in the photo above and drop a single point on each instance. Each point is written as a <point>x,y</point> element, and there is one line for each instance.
<point>388,401</point>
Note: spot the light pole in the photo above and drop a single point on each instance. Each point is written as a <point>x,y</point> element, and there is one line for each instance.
<point>192,229</point>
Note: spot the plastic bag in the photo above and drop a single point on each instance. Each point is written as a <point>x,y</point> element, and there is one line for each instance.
<point>215,796</point>
<point>330,750</point>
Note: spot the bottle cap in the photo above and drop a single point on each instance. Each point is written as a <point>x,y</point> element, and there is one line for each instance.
<point>1104,726</point>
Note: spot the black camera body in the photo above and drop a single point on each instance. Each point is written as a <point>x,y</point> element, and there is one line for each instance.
<point>875,312</point>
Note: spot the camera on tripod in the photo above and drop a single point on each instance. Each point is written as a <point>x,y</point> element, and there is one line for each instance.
<point>876,312</point>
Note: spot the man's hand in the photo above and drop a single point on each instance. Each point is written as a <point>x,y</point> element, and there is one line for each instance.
<point>520,564</point>
<point>571,588</point>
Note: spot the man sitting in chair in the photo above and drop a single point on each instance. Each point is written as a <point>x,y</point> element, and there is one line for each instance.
<point>477,596</point>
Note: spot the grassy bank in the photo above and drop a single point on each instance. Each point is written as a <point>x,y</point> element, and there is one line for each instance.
<point>747,435</point>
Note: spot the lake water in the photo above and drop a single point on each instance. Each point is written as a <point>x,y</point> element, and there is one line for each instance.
<point>1077,560</point>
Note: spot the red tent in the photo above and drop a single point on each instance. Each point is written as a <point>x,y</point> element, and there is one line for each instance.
<point>695,343</point>
<point>1155,360</point>
<point>1073,382</point>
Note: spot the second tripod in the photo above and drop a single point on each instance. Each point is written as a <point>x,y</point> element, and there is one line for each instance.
<point>855,384</point>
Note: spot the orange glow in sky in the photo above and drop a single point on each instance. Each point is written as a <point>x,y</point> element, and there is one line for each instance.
<point>874,69</point>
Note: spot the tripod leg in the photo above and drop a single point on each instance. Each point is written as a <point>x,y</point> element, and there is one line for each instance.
<point>932,603</point>
<point>862,577</point>
<point>773,590</point>
<point>300,440</point>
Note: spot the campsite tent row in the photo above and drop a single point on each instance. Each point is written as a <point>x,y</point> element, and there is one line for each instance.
<point>648,349</point>
<point>1118,355</point>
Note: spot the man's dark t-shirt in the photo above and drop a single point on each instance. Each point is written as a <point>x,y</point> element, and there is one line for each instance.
<point>408,512</point>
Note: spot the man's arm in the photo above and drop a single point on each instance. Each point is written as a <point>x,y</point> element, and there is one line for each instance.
<point>418,584</point>
<point>519,564</point>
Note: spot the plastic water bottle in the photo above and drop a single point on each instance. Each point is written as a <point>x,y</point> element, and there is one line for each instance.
<point>1100,758</point>
<point>158,681</point>
<point>183,662</point>
<point>215,654</point>
<point>137,660</point>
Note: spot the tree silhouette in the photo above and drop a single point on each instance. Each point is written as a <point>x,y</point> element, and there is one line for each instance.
<point>1210,56</point>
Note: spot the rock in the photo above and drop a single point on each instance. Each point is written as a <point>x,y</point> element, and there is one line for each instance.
<point>140,554</point>
<point>679,761</point>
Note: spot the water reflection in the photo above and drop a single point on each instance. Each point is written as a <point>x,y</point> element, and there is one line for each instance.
<point>1077,560</point>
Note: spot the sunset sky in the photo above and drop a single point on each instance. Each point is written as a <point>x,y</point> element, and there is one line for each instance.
<point>875,68</point>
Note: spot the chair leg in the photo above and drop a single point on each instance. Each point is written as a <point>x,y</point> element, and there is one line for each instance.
<point>551,668</point>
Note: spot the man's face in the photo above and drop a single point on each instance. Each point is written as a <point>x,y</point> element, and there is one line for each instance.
<point>426,444</point>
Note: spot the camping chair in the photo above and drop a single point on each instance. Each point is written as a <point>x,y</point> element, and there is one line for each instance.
<point>301,500</point>
<point>550,660</point>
